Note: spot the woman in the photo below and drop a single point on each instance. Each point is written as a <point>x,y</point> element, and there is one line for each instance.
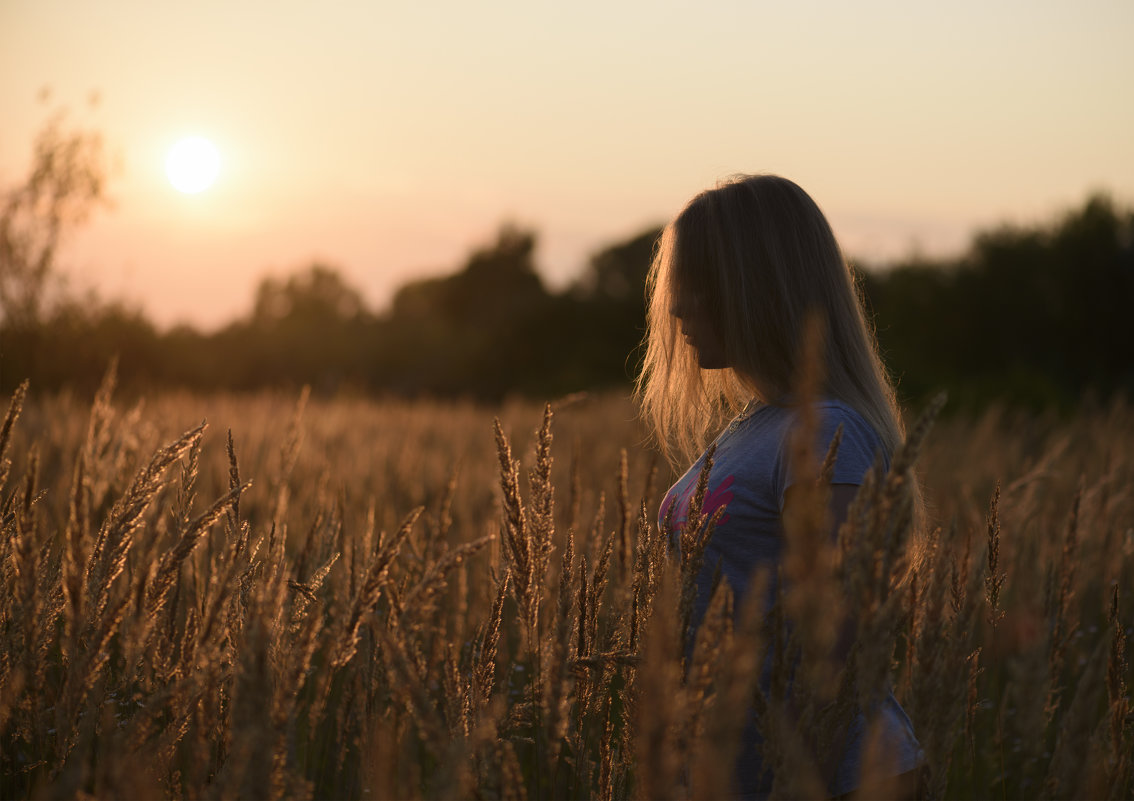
<point>737,277</point>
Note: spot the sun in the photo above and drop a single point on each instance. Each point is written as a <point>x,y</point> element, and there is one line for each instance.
<point>192,165</point>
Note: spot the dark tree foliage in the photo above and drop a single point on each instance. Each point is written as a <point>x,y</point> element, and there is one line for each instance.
<point>311,328</point>
<point>1033,315</point>
<point>74,344</point>
<point>487,330</point>
<point>613,296</point>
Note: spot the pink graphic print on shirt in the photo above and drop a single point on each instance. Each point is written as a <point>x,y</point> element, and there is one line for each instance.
<point>715,498</point>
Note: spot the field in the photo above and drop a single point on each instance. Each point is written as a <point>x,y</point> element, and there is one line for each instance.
<point>359,599</point>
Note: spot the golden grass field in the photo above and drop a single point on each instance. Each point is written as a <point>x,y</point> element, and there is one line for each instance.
<point>360,599</point>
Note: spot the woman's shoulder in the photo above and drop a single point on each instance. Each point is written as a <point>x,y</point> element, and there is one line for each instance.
<point>778,420</point>
<point>860,443</point>
<point>832,413</point>
<point>843,412</point>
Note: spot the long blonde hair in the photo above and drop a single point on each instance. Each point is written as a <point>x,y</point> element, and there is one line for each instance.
<point>761,259</point>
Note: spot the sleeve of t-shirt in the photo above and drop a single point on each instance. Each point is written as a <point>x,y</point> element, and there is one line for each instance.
<point>856,454</point>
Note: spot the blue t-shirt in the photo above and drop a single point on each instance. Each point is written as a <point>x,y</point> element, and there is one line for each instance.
<point>750,475</point>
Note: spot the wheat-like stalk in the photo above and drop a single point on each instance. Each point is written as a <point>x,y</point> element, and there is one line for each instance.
<point>178,623</point>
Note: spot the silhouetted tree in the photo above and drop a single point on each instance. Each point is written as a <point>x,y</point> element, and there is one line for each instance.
<point>311,327</point>
<point>1031,314</point>
<point>66,182</point>
<point>612,297</point>
<point>1035,315</point>
<point>485,330</point>
<point>317,295</point>
<point>618,272</point>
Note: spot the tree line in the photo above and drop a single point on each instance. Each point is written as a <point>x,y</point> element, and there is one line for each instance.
<point>1036,315</point>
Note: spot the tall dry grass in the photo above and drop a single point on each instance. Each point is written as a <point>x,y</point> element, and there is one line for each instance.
<point>352,599</point>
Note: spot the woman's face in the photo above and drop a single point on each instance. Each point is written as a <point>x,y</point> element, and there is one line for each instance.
<point>700,330</point>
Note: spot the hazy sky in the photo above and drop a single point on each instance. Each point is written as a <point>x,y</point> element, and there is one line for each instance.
<point>388,139</point>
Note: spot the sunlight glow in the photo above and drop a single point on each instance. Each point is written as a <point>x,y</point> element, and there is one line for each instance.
<point>192,165</point>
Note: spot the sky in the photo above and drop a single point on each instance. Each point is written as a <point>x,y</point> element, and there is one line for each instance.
<point>389,139</point>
